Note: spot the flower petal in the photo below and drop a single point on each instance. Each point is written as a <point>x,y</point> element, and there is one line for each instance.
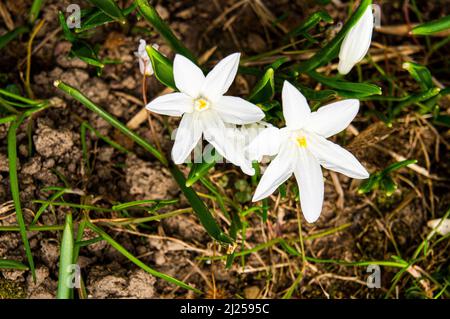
<point>235,142</point>
<point>173,104</point>
<point>333,118</point>
<point>188,77</point>
<point>235,110</point>
<point>265,143</point>
<point>336,158</point>
<point>356,42</point>
<point>278,171</point>
<point>188,134</point>
<point>219,80</point>
<point>296,110</point>
<point>311,186</point>
<point>214,130</point>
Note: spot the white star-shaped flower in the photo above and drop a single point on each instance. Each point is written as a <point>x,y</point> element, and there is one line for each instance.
<point>301,148</point>
<point>204,108</point>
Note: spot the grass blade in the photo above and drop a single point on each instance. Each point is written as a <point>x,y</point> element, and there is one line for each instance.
<point>151,15</point>
<point>110,8</point>
<point>11,35</point>
<point>432,26</point>
<point>137,262</point>
<point>34,11</point>
<point>12,264</point>
<point>65,274</point>
<point>14,185</point>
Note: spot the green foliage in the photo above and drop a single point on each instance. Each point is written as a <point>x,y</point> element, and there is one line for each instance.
<point>383,179</point>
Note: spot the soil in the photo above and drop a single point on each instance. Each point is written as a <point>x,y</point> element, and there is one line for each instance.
<point>174,245</point>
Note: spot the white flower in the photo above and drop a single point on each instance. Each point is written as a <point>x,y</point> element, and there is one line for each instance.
<point>204,108</point>
<point>145,65</point>
<point>239,138</point>
<point>356,42</point>
<point>302,147</point>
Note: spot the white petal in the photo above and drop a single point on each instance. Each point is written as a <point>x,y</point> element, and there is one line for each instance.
<point>278,171</point>
<point>214,130</point>
<point>236,140</point>
<point>219,80</point>
<point>188,134</point>
<point>333,118</point>
<point>335,158</point>
<point>235,110</point>
<point>295,107</point>
<point>188,77</point>
<point>311,186</point>
<point>173,104</point>
<point>356,42</point>
<point>265,143</point>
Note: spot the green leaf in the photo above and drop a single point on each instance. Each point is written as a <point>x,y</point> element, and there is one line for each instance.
<point>432,27</point>
<point>14,186</point>
<point>198,170</point>
<point>65,273</point>
<point>110,8</point>
<point>202,212</point>
<point>388,185</point>
<point>264,90</point>
<point>361,89</point>
<point>310,23</point>
<point>137,262</point>
<point>11,35</point>
<point>152,16</point>
<point>34,11</point>
<point>396,166</point>
<point>99,18</point>
<point>420,73</point>
<point>12,264</point>
<point>162,67</point>
<point>68,35</point>
<point>330,50</point>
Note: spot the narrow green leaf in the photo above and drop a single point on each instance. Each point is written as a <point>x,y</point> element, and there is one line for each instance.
<point>162,67</point>
<point>388,185</point>
<point>11,35</point>
<point>310,23</point>
<point>15,192</point>
<point>12,264</point>
<point>330,50</point>
<point>396,166</point>
<point>420,73</point>
<point>137,262</point>
<point>365,89</point>
<point>203,214</point>
<point>65,274</point>
<point>432,27</point>
<point>144,202</point>
<point>264,90</point>
<point>111,9</point>
<point>99,18</point>
<point>34,11</point>
<point>152,16</point>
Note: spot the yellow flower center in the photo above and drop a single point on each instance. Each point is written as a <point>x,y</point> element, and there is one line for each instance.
<point>201,104</point>
<point>301,141</point>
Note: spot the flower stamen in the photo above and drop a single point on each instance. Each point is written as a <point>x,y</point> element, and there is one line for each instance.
<point>201,104</point>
